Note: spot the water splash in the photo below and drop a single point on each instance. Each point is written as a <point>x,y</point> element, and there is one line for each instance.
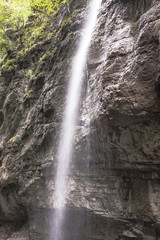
<point>65,148</point>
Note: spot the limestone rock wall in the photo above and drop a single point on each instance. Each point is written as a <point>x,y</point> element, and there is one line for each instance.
<point>113,190</point>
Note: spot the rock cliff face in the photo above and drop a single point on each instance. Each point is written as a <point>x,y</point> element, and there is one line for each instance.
<point>114,187</point>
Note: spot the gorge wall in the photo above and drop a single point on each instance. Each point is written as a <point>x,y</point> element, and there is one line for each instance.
<point>113,191</point>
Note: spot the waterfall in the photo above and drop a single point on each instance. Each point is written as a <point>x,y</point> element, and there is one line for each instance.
<point>64,154</point>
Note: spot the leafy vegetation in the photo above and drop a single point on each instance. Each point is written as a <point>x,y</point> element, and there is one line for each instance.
<point>16,29</point>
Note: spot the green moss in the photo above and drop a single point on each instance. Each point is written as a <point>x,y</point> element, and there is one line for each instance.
<point>9,66</point>
<point>34,34</point>
<point>28,73</point>
<point>66,21</point>
<point>13,138</point>
<point>40,74</point>
<point>45,56</point>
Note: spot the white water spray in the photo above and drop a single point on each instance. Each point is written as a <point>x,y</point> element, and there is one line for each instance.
<point>71,110</point>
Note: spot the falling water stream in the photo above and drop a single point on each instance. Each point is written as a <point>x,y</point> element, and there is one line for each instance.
<point>65,148</point>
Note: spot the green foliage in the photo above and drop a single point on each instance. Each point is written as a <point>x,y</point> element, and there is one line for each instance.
<point>9,66</point>
<point>46,6</point>
<point>15,14</point>
<point>13,17</point>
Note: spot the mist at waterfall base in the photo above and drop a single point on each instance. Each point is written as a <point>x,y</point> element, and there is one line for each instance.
<point>64,154</point>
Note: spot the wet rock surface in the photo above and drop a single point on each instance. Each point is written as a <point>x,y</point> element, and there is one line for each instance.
<point>113,189</point>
